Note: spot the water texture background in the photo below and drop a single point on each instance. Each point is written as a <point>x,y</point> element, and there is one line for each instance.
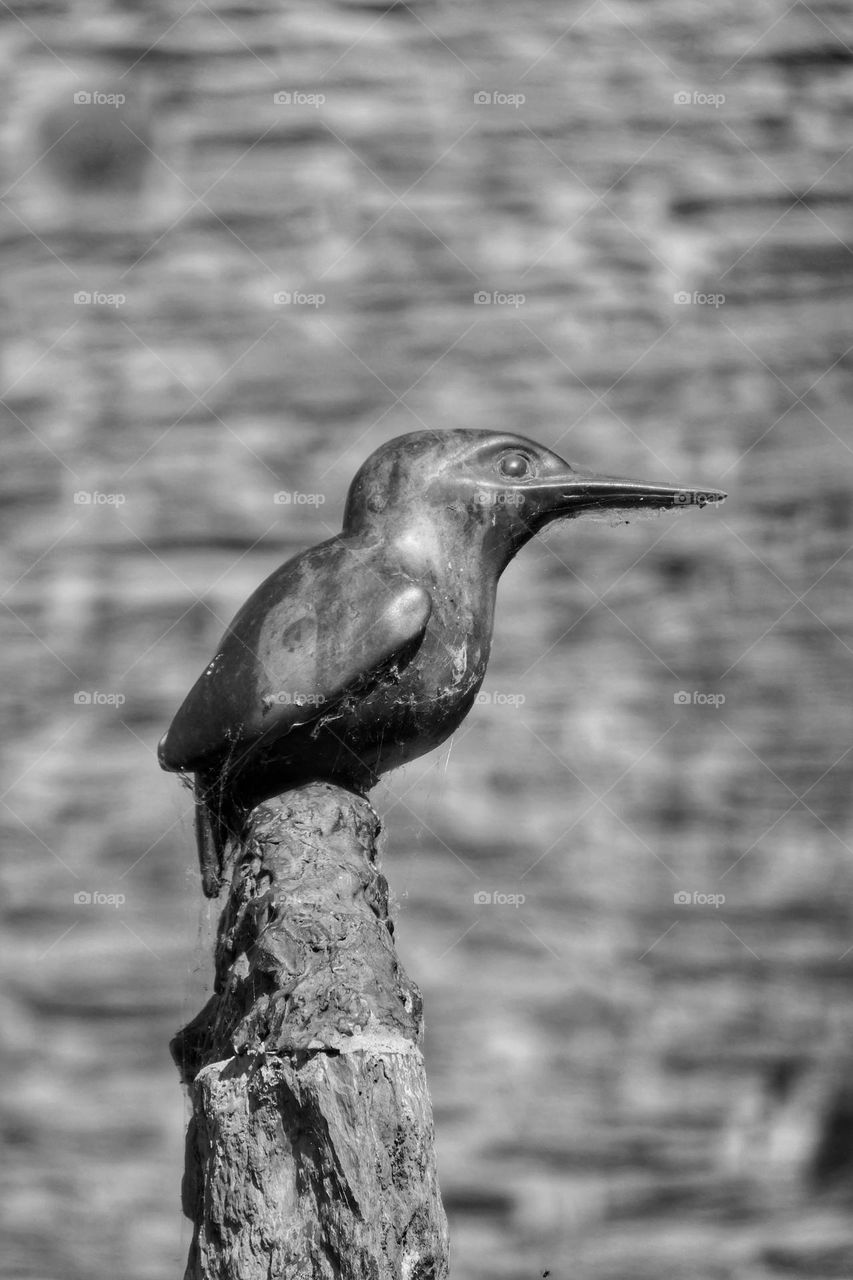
<point>623,229</point>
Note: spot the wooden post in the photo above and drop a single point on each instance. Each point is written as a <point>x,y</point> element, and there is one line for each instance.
<point>310,1152</point>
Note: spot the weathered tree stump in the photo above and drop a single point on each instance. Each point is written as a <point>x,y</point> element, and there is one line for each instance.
<point>310,1152</point>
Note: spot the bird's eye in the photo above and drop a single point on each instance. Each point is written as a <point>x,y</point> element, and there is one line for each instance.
<point>514,465</point>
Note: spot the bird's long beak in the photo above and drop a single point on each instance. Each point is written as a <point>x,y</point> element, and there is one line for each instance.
<point>580,491</point>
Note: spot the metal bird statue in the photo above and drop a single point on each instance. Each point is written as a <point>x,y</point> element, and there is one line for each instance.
<point>368,650</point>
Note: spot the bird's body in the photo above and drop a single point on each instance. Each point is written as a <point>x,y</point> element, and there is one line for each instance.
<point>369,650</point>
<point>344,663</point>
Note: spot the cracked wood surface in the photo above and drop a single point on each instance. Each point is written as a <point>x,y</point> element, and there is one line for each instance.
<point>310,1152</point>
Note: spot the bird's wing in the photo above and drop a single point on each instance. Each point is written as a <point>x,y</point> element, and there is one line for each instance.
<point>316,629</point>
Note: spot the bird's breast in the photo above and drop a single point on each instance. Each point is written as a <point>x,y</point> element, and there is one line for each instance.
<point>424,700</point>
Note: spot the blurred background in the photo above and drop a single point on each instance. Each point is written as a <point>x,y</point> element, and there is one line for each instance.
<point>245,243</point>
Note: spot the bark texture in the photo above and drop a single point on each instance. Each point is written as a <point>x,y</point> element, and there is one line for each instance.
<point>310,1153</point>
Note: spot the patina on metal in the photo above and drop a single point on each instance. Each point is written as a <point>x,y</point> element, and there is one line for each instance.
<point>369,650</point>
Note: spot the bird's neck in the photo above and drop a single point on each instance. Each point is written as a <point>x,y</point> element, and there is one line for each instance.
<point>458,551</point>
<point>428,550</point>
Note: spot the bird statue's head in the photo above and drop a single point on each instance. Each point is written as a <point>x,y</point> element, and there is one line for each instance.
<point>497,488</point>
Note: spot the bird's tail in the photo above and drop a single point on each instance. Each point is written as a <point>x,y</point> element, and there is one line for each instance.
<point>212,832</point>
